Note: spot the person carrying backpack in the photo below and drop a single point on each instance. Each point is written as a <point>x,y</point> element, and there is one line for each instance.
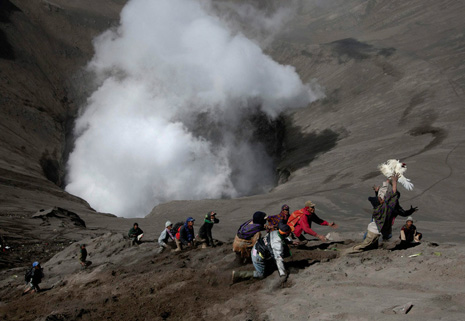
<point>301,220</point>
<point>268,253</point>
<point>33,277</point>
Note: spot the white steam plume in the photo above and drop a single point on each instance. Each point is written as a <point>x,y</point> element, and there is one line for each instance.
<point>169,120</point>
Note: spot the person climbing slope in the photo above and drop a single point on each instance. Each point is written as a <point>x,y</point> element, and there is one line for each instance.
<point>247,235</point>
<point>33,278</point>
<point>268,253</point>
<point>301,220</point>
<point>205,232</point>
<point>166,237</point>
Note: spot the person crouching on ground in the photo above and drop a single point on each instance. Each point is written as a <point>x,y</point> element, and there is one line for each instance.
<point>301,220</point>
<point>135,234</point>
<point>33,278</point>
<point>274,220</point>
<point>247,235</point>
<point>166,237</point>
<point>409,236</point>
<point>268,253</point>
<point>205,232</point>
<point>185,236</point>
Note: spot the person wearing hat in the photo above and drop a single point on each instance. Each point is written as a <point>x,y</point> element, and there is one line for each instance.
<point>247,235</point>
<point>186,236</point>
<point>268,253</point>
<point>205,232</point>
<point>301,220</point>
<point>274,220</point>
<point>408,235</point>
<point>135,234</point>
<point>166,237</point>
<point>33,278</point>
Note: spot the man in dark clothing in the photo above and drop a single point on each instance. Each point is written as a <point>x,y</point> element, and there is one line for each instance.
<point>135,234</point>
<point>83,257</point>
<point>205,232</point>
<point>186,236</point>
<point>409,236</point>
<point>35,276</point>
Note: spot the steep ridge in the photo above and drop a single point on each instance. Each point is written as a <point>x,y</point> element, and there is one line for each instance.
<point>48,43</point>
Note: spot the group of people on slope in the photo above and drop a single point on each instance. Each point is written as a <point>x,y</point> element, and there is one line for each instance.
<point>283,229</point>
<point>267,253</point>
<point>181,235</point>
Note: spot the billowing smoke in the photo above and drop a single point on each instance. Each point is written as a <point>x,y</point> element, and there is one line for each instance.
<point>170,118</point>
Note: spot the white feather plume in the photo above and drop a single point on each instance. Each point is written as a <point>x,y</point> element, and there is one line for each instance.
<point>394,166</point>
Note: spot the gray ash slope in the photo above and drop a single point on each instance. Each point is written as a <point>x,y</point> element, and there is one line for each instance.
<point>394,82</point>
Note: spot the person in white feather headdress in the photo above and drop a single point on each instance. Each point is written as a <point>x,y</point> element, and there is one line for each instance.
<point>395,167</point>
<point>382,194</point>
<point>386,208</point>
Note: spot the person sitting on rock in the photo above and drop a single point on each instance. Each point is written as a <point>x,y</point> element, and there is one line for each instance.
<point>274,220</point>
<point>166,237</point>
<point>135,234</point>
<point>83,257</point>
<point>33,278</point>
<point>301,220</point>
<point>267,254</point>
<point>409,236</point>
<point>205,232</point>
<point>247,235</point>
<point>185,236</point>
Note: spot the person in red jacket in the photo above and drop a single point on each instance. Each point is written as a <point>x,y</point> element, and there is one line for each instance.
<point>301,220</point>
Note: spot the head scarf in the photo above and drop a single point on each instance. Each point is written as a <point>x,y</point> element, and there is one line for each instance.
<point>259,218</point>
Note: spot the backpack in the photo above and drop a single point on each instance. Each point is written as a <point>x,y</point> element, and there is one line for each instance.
<point>295,217</point>
<point>28,275</point>
<point>177,228</point>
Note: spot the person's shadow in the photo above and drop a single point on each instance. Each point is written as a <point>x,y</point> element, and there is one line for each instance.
<point>322,246</point>
<point>401,246</point>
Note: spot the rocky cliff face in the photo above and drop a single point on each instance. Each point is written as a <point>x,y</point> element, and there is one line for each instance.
<point>44,46</point>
